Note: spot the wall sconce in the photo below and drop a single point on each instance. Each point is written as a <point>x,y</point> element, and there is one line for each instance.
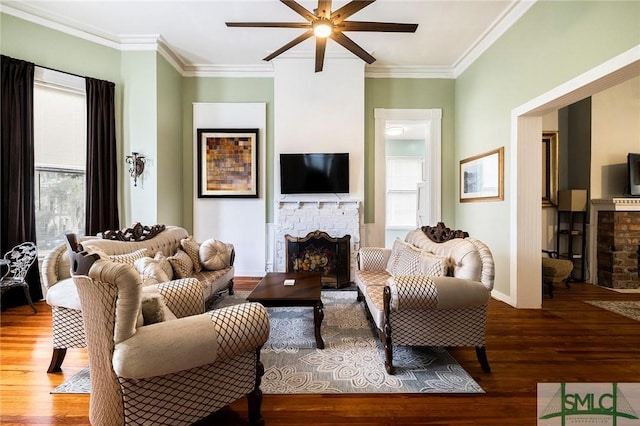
<point>136,162</point>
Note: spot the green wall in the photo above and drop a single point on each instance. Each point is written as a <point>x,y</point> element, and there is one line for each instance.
<point>555,41</point>
<point>139,123</point>
<point>408,93</point>
<point>169,151</point>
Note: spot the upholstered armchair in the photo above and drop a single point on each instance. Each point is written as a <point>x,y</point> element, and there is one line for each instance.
<point>172,372</point>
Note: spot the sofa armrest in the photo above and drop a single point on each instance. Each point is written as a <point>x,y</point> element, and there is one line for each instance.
<point>185,343</point>
<point>184,297</point>
<point>240,328</point>
<point>373,258</point>
<point>427,292</point>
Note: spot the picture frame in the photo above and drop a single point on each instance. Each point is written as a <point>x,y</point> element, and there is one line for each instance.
<point>482,177</point>
<point>227,163</point>
<point>549,169</point>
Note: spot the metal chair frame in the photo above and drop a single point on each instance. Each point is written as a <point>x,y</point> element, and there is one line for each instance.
<point>18,260</point>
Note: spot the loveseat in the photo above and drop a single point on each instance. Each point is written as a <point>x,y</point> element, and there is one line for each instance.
<point>150,255</point>
<point>432,289</point>
<point>200,361</point>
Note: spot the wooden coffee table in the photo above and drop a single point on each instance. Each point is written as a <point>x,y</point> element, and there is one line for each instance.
<point>272,292</point>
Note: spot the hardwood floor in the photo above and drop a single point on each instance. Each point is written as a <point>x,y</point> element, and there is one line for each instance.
<point>566,341</point>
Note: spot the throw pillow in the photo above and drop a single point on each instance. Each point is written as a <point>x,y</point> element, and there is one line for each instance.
<point>164,264</point>
<point>215,255</point>
<point>128,258</point>
<point>154,309</point>
<point>408,262</point>
<point>151,270</point>
<point>191,247</point>
<point>433,265</point>
<point>398,247</point>
<point>181,264</point>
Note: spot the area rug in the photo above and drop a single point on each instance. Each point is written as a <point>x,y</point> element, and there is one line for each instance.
<point>629,309</point>
<point>352,361</point>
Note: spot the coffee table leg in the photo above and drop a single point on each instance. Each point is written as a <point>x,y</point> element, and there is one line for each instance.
<point>318,316</point>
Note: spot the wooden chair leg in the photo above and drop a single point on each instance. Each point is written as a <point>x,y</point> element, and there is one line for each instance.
<point>56,360</point>
<point>481,352</point>
<point>254,398</point>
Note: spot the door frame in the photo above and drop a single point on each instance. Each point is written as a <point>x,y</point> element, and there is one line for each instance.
<point>433,169</point>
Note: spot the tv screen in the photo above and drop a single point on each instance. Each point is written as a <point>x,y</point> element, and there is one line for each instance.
<point>314,173</point>
<point>633,166</point>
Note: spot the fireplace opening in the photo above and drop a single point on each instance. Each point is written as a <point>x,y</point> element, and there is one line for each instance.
<point>320,252</point>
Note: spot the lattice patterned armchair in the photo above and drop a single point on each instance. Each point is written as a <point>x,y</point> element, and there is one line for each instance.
<point>173,372</point>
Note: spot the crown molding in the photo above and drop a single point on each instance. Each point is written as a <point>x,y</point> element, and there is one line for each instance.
<point>385,71</point>
<point>246,71</point>
<point>510,16</point>
<point>155,42</point>
<point>31,15</point>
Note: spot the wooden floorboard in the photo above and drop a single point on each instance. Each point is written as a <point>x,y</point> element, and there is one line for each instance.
<point>566,341</point>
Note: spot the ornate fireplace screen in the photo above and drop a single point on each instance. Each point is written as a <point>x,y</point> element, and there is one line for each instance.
<point>319,252</point>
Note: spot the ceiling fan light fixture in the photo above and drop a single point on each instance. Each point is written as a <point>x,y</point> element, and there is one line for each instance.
<point>322,28</point>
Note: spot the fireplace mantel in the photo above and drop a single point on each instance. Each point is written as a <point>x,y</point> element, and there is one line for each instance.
<point>318,201</point>
<point>627,204</point>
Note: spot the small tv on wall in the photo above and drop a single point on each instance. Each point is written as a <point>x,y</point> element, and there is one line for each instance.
<point>314,173</point>
<point>633,167</point>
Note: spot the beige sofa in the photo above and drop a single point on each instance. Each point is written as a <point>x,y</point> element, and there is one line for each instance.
<point>428,293</point>
<point>63,297</point>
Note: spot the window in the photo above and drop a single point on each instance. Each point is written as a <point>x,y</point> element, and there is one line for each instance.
<point>60,156</point>
<point>403,175</point>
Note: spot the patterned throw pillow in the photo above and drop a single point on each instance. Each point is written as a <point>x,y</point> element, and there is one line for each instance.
<point>396,250</point>
<point>181,263</point>
<point>408,262</point>
<point>215,255</point>
<point>191,247</point>
<point>128,258</point>
<point>433,265</point>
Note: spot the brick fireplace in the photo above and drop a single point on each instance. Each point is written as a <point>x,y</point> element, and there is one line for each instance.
<point>617,242</point>
<point>299,218</point>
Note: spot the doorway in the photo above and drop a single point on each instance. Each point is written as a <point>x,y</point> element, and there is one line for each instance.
<point>427,127</point>
<point>526,158</point>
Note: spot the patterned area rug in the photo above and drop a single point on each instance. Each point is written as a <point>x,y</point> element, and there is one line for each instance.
<point>630,309</point>
<point>352,361</point>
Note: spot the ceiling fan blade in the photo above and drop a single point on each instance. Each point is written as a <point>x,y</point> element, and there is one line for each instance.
<point>353,47</point>
<point>377,26</point>
<point>300,10</point>
<point>269,24</point>
<point>324,8</point>
<point>289,45</point>
<point>321,45</point>
<point>349,9</point>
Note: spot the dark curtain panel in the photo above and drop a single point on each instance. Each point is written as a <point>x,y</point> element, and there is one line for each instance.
<point>18,195</point>
<point>102,176</point>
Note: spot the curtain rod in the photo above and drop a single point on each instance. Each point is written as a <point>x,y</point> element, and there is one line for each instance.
<point>63,72</point>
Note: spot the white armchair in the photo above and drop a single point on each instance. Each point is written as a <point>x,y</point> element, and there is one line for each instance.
<point>173,372</point>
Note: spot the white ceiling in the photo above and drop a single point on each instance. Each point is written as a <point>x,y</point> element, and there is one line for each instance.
<point>450,35</point>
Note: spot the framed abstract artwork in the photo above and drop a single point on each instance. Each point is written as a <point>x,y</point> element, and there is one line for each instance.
<point>227,163</point>
<point>482,177</point>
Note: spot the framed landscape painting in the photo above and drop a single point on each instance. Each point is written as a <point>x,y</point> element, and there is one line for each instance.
<point>227,163</point>
<point>482,177</point>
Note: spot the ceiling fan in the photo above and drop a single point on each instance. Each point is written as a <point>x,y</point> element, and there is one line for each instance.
<point>323,23</point>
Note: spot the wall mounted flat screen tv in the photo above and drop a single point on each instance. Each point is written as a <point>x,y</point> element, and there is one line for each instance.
<point>633,167</point>
<point>314,173</point>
